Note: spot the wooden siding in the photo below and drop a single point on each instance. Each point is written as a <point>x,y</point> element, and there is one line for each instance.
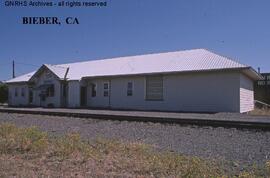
<point>246,94</point>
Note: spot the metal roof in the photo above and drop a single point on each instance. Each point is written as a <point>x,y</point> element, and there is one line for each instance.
<point>22,78</point>
<point>179,61</point>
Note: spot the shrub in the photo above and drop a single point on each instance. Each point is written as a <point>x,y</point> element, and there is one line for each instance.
<point>13,139</point>
<point>3,93</point>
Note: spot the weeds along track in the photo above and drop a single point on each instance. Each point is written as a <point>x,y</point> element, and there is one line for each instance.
<point>241,147</point>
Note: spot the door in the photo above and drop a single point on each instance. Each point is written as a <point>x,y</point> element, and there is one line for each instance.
<point>42,97</point>
<point>64,96</point>
<point>30,95</point>
<point>83,96</point>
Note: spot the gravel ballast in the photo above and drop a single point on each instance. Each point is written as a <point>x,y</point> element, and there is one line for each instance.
<point>241,147</point>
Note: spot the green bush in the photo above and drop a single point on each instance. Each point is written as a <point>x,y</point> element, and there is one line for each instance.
<point>3,93</point>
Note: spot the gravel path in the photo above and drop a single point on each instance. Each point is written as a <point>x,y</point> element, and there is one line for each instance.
<point>245,147</point>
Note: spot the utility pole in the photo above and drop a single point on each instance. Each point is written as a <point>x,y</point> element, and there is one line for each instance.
<point>13,69</point>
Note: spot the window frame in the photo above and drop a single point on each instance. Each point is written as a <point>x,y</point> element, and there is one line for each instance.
<point>145,88</point>
<point>261,83</point>
<point>22,92</point>
<point>106,90</point>
<point>130,89</point>
<point>16,92</point>
<point>93,86</point>
<point>50,91</point>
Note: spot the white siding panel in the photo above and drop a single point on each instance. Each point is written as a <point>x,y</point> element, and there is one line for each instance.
<point>246,94</point>
<point>204,92</point>
<point>73,94</point>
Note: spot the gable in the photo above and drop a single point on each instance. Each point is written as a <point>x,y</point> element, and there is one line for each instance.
<point>43,76</point>
<point>50,71</point>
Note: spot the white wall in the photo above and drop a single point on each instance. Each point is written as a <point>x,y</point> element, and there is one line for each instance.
<point>209,92</point>
<point>18,100</point>
<point>73,94</point>
<point>194,92</point>
<point>246,94</point>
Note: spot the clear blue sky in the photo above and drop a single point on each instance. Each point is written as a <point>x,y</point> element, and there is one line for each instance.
<point>238,29</point>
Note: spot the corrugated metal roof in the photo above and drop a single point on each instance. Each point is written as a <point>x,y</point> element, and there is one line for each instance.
<point>189,60</point>
<point>179,61</point>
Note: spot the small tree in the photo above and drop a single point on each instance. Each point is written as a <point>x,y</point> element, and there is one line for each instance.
<point>3,93</point>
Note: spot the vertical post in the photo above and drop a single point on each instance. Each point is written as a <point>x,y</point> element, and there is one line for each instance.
<point>13,69</point>
<point>109,93</point>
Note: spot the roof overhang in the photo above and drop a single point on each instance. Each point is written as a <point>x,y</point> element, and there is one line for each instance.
<point>251,73</point>
<point>16,83</point>
<point>19,83</point>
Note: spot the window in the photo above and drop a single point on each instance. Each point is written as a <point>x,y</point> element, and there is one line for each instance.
<point>94,90</point>
<point>106,89</point>
<point>129,89</point>
<point>64,88</point>
<point>50,91</point>
<point>16,92</point>
<point>154,88</point>
<point>22,92</point>
<point>30,96</point>
<point>261,82</point>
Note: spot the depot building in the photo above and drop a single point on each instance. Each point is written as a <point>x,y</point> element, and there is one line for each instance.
<point>183,81</point>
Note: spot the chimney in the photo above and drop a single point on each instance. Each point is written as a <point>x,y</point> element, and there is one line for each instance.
<point>259,70</point>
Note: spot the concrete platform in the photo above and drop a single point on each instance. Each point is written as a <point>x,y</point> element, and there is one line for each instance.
<point>235,120</point>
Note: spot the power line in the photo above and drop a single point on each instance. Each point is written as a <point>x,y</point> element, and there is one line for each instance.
<point>27,64</point>
<point>14,64</point>
<point>5,64</point>
<point>20,63</point>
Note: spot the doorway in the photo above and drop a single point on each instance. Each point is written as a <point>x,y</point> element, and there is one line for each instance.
<point>30,95</point>
<point>64,96</point>
<point>83,96</point>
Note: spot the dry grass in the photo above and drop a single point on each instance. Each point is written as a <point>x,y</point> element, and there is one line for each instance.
<point>31,153</point>
<point>260,112</point>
